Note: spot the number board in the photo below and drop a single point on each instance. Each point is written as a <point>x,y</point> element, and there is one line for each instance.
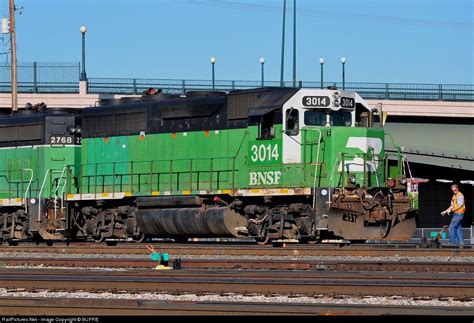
<point>347,103</point>
<point>64,140</point>
<point>316,101</point>
<point>264,152</point>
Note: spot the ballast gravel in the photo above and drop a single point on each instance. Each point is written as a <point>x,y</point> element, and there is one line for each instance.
<point>238,298</point>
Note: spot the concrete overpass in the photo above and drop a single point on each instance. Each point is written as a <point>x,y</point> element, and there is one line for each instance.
<point>435,133</point>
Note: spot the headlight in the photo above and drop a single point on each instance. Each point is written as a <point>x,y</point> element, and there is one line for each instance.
<point>352,179</point>
<point>71,130</point>
<point>391,182</point>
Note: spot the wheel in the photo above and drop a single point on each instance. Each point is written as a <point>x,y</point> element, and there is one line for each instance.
<point>140,238</point>
<point>263,240</point>
<point>312,240</point>
<point>12,242</point>
<point>99,239</point>
<point>358,241</point>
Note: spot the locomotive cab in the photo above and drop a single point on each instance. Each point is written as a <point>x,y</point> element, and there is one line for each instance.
<point>334,131</point>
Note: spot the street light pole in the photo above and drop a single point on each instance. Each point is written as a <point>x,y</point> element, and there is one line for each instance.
<point>321,61</point>
<point>282,66</point>
<point>294,43</point>
<point>262,62</point>
<point>343,61</point>
<point>83,30</point>
<point>213,61</point>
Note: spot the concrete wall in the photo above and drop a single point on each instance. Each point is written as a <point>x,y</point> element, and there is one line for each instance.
<point>399,108</point>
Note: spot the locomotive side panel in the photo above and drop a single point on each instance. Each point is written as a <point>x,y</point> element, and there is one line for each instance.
<point>290,164</point>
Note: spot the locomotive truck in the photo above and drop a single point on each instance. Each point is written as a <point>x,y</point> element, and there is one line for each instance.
<point>272,164</point>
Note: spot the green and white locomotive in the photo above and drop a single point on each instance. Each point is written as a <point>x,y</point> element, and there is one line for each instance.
<point>269,164</point>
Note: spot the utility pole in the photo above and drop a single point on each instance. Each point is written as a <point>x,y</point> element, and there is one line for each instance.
<point>13,56</point>
<point>283,46</point>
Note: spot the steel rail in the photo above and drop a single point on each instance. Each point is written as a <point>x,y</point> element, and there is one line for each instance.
<point>99,307</point>
<point>246,264</point>
<point>283,284</point>
<point>243,249</point>
<point>35,306</point>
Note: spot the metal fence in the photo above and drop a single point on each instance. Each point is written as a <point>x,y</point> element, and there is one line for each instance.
<point>39,77</point>
<point>387,91</point>
<point>64,78</point>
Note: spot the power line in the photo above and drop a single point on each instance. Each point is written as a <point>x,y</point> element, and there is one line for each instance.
<point>332,14</point>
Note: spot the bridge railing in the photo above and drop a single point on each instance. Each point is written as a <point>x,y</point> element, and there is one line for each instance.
<point>381,91</point>
<point>38,77</point>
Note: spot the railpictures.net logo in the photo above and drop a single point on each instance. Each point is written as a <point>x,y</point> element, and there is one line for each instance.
<point>49,319</point>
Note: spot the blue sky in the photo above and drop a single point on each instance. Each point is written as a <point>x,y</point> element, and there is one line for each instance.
<point>419,41</point>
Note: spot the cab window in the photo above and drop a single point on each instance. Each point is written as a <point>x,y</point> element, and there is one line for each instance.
<point>265,128</point>
<point>341,118</point>
<point>292,122</point>
<point>315,118</point>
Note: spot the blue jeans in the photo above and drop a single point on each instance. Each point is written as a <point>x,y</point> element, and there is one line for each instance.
<point>455,229</point>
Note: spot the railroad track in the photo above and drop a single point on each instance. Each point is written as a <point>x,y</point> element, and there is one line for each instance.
<point>245,264</point>
<point>217,269</point>
<point>96,307</point>
<point>243,282</point>
<point>243,250</point>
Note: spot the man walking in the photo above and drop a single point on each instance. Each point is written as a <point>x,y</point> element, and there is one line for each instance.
<point>457,208</point>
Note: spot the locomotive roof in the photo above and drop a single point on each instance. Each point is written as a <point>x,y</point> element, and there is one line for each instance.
<point>267,98</point>
<point>198,111</point>
<point>28,115</point>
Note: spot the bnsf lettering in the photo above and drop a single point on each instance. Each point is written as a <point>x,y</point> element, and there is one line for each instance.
<point>265,178</point>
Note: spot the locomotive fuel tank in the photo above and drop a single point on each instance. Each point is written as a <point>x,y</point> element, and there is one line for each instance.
<point>160,216</point>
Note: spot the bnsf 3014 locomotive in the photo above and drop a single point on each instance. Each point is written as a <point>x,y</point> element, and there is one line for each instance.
<point>268,164</point>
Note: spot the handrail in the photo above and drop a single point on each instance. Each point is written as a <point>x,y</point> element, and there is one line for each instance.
<point>341,155</point>
<point>398,148</point>
<point>316,168</point>
<point>62,190</point>
<point>56,190</point>
<point>64,78</point>
<point>39,195</point>
<point>160,160</point>
<point>111,171</point>
<point>27,188</point>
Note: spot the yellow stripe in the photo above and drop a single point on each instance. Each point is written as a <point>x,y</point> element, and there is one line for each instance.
<point>283,191</point>
<point>127,193</point>
<point>227,191</point>
<point>104,194</point>
<point>186,192</point>
<point>70,196</point>
<point>155,193</point>
<point>254,190</point>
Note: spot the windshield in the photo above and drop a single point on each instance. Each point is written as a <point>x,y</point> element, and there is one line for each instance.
<point>341,118</point>
<point>315,117</point>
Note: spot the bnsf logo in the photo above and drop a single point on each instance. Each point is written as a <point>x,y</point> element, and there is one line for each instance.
<point>265,178</point>
<point>363,144</point>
